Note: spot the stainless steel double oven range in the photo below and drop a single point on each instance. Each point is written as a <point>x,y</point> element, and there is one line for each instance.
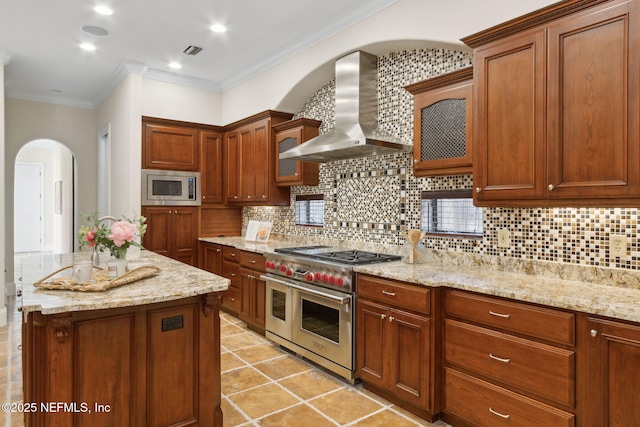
<point>310,302</point>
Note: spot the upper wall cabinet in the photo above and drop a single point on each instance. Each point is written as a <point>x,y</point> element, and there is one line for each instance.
<point>288,135</point>
<point>211,168</point>
<point>171,145</point>
<point>249,162</point>
<point>557,107</point>
<point>442,124</point>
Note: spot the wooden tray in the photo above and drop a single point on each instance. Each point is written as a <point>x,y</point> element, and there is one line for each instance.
<point>99,279</point>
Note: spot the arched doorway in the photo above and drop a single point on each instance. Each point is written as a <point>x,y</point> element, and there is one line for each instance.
<point>44,198</point>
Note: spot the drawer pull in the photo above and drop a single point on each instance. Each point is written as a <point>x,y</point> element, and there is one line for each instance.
<point>506,417</point>
<point>232,254</point>
<point>391,318</point>
<point>383,316</point>
<point>504,316</point>
<point>499,359</point>
<point>594,333</point>
<point>252,261</point>
<point>391,294</point>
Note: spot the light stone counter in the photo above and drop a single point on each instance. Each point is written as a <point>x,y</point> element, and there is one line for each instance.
<point>176,281</point>
<point>607,292</point>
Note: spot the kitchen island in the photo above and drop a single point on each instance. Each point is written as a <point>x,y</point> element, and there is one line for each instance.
<point>142,354</point>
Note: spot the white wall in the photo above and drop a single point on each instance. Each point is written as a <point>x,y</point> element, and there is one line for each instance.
<point>179,102</point>
<point>404,24</point>
<point>3,179</point>
<point>123,110</point>
<point>26,121</point>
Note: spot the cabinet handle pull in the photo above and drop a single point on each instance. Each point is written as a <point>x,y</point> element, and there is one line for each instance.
<point>218,250</point>
<point>506,417</point>
<point>391,318</point>
<point>252,261</point>
<point>551,187</point>
<point>232,274</point>
<point>478,189</point>
<point>594,333</point>
<point>232,254</point>
<point>415,160</point>
<point>232,299</point>
<point>391,294</point>
<point>383,316</point>
<point>499,359</point>
<point>505,316</point>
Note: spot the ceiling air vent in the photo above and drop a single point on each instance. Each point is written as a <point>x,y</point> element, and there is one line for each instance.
<point>192,50</point>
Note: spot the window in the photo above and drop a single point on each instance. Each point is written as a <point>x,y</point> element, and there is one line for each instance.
<point>310,209</point>
<point>450,212</point>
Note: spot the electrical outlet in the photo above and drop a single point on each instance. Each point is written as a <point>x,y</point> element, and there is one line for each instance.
<point>504,238</point>
<point>618,245</point>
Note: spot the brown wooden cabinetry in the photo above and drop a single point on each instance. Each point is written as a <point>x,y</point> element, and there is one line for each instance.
<point>557,108</point>
<point>223,261</point>
<point>442,124</point>
<point>611,374</point>
<point>507,363</point>
<point>122,362</point>
<point>288,135</point>
<point>171,145</point>
<point>211,168</point>
<point>172,231</point>
<point>249,153</point>
<point>253,289</point>
<point>395,343</point>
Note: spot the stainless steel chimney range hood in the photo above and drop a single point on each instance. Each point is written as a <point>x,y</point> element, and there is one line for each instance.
<point>356,133</point>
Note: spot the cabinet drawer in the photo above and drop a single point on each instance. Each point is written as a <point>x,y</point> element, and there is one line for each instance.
<point>395,293</point>
<point>252,260</point>
<point>484,404</point>
<point>547,324</point>
<point>531,367</point>
<point>231,299</point>
<point>231,271</point>
<point>230,253</point>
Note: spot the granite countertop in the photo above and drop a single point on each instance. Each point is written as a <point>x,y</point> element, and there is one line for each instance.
<point>176,281</point>
<point>607,292</point>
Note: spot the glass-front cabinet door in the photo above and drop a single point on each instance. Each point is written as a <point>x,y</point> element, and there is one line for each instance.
<point>288,135</point>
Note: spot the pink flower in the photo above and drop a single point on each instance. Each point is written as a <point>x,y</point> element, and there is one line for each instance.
<point>90,238</point>
<point>122,232</point>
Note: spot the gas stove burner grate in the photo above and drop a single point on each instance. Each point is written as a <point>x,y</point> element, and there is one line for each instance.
<point>356,257</point>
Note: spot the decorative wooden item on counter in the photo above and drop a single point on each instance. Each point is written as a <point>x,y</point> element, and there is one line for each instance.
<point>411,255</point>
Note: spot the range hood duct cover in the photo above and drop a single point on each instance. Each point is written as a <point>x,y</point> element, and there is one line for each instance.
<point>356,133</point>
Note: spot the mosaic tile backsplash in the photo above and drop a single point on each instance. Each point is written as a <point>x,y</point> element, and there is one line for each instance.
<point>375,199</point>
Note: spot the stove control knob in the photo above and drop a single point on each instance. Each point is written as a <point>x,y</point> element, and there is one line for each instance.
<point>289,272</point>
<point>316,276</point>
<point>269,264</point>
<point>283,268</point>
<point>332,279</point>
<point>340,281</point>
<point>325,277</point>
<point>309,277</point>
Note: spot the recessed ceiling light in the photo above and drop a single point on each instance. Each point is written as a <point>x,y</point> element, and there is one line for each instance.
<point>175,65</point>
<point>94,31</point>
<point>103,10</point>
<point>218,28</point>
<point>87,46</point>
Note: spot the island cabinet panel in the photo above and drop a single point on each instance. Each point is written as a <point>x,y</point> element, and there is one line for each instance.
<point>396,348</point>
<point>557,109</point>
<point>149,365</point>
<point>611,373</point>
<point>172,231</point>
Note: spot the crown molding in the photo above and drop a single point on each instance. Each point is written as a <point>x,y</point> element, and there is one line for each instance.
<point>120,74</point>
<point>59,100</point>
<point>178,79</point>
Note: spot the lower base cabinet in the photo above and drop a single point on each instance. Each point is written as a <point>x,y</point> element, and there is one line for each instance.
<point>253,290</point>
<point>395,349</point>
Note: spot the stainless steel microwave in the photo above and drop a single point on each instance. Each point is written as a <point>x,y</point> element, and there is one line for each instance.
<point>170,188</point>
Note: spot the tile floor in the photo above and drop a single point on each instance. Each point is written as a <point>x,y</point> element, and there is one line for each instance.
<point>262,385</point>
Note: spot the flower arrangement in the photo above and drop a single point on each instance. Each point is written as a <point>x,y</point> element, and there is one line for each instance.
<point>117,238</point>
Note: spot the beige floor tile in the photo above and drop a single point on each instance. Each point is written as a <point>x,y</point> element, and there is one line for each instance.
<point>241,379</point>
<point>345,405</point>
<point>235,342</point>
<point>263,400</point>
<point>259,353</point>
<point>230,416</point>
<point>386,418</point>
<point>282,367</point>
<point>228,329</point>
<point>229,361</point>
<point>310,384</point>
<point>296,416</point>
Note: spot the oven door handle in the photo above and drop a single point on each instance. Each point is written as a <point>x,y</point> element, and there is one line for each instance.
<point>341,300</point>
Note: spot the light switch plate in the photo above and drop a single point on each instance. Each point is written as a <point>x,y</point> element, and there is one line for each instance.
<point>504,238</point>
<point>618,245</point>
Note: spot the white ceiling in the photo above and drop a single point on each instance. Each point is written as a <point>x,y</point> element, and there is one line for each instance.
<point>39,41</point>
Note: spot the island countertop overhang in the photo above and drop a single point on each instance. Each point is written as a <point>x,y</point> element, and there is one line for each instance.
<point>176,281</point>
